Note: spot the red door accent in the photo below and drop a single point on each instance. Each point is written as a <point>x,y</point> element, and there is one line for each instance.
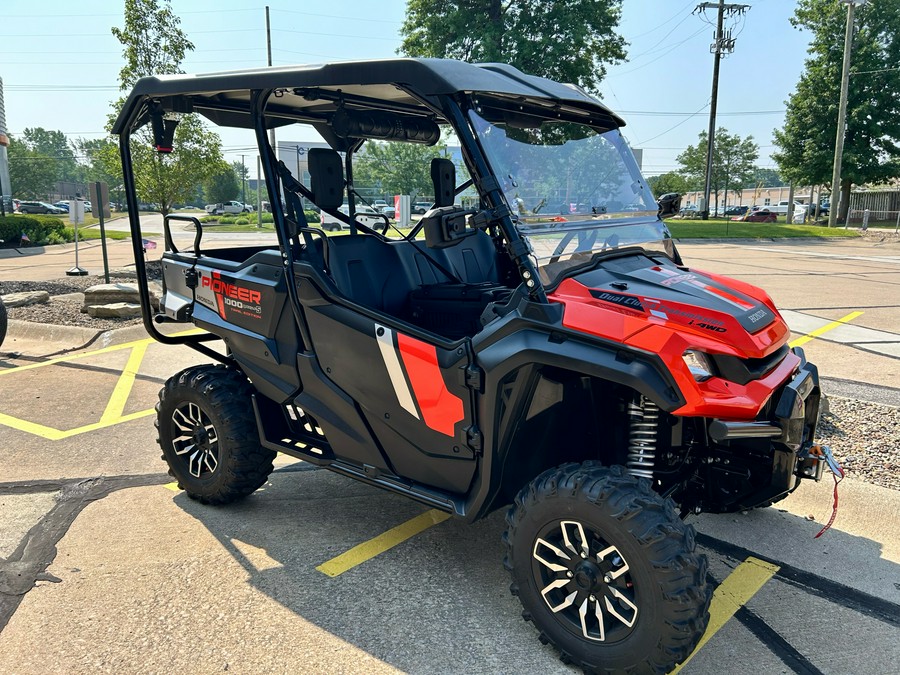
<point>441,410</point>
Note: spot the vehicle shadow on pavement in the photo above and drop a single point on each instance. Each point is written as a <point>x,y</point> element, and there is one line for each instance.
<point>439,602</point>
<point>436,603</point>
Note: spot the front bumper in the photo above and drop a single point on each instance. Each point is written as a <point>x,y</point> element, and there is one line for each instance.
<point>791,421</point>
<point>787,425</point>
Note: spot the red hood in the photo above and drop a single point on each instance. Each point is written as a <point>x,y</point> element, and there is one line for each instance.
<point>624,296</point>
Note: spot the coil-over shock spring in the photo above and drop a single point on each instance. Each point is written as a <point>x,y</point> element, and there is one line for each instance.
<point>642,428</point>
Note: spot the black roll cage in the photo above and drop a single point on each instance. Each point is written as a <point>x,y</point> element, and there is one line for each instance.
<point>450,109</point>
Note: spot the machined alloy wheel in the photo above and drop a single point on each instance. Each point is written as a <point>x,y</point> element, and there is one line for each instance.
<point>606,570</point>
<point>585,581</point>
<point>208,435</point>
<point>195,439</point>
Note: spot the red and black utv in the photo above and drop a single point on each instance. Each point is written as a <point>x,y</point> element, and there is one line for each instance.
<point>533,340</point>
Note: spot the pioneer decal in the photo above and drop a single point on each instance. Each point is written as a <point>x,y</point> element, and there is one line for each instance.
<point>626,301</point>
<point>227,298</point>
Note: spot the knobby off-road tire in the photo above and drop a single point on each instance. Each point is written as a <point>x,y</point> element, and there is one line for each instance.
<point>606,570</point>
<point>3,322</point>
<point>207,432</point>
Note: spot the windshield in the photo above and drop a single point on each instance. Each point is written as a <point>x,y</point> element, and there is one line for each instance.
<point>575,191</point>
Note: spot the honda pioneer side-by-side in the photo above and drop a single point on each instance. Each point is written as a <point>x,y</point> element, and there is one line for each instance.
<point>534,340</point>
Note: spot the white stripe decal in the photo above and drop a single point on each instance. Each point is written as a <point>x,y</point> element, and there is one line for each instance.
<point>385,337</point>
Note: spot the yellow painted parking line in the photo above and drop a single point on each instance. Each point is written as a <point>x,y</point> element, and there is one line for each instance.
<point>113,414</point>
<point>824,329</point>
<point>741,585</point>
<point>103,350</point>
<point>116,405</point>
<point>172,486</point>
<point>52,434</point>
<point>383,542</point>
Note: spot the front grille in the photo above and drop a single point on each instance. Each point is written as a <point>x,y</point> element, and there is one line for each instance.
<point>742,371</point>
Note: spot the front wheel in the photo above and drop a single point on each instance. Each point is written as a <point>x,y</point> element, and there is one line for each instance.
<point>208,434</point>
<point>606,570</point>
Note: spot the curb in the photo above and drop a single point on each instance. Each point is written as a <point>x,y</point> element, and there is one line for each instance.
<point>54,339</point>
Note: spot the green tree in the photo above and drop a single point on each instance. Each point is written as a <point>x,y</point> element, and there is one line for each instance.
<point>565,40</point>
<point>393,168</point>
<point>668,182</point>
<point>222,186</point>
<point>872,138</point>
<point>732,167</point>
<point>32,174</point>
<point>767,178</point>
<point>54,144</point>
<point>154,44</point>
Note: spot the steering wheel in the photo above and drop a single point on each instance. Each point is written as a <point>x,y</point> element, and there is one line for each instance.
<point>584,245</point>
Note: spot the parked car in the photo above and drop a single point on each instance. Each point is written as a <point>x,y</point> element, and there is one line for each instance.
<point>389,211</point>
<point>760,216</point>
<point>62,205</point>
<point>736,210</point>
<point>420,208</point>
<point>87,206</point>
<point>364,214</point>
<point>233,207</point>
<point>379,204</point>
<point>39,207</point>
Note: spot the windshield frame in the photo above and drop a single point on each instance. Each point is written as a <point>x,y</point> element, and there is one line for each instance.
<point>605,230</point>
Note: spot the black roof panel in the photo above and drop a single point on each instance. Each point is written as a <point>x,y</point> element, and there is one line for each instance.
<point>425,77</point>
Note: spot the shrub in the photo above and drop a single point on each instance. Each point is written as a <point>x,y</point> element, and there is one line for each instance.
<point>226,220</point>
<point>268,218</point>
<point>311,216</point>
<point>58,238</point>
<point>209,219</point>
<point>37,228</point>
<point>241,221</point>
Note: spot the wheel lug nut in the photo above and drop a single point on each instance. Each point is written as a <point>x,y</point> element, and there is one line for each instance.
<point>569,574</point>
<point>593,599</point>
<point>584,555</point>
<point>607,578</point>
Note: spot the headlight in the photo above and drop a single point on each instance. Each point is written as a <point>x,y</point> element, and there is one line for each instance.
<point>699,364</point>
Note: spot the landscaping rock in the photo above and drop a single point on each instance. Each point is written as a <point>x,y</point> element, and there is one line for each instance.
<point>118,310</point>
<point>107,294</point>
<point>26,298</point>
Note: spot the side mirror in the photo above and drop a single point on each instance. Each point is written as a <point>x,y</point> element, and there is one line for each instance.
<point>669,204</point>
<point>445,226</point>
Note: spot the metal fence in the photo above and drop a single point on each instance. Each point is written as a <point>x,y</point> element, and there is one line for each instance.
<point>866,218</point>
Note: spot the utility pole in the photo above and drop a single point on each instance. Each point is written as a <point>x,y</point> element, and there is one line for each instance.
<point>842,116</point>
<point>723,43</point>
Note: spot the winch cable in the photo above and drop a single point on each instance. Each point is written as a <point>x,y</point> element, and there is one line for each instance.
<point>837,472</point>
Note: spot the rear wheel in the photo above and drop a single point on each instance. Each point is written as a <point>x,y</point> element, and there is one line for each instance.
<point>606,570</point>
<point>208,434</point>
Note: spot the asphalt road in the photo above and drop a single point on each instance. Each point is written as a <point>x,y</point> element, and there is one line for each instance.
<point>104,567</point>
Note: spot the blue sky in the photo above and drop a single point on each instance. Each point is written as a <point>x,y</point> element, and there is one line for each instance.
<point>59,63</point>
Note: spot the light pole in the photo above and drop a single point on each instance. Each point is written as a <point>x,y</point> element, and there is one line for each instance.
<point>842,114</point>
